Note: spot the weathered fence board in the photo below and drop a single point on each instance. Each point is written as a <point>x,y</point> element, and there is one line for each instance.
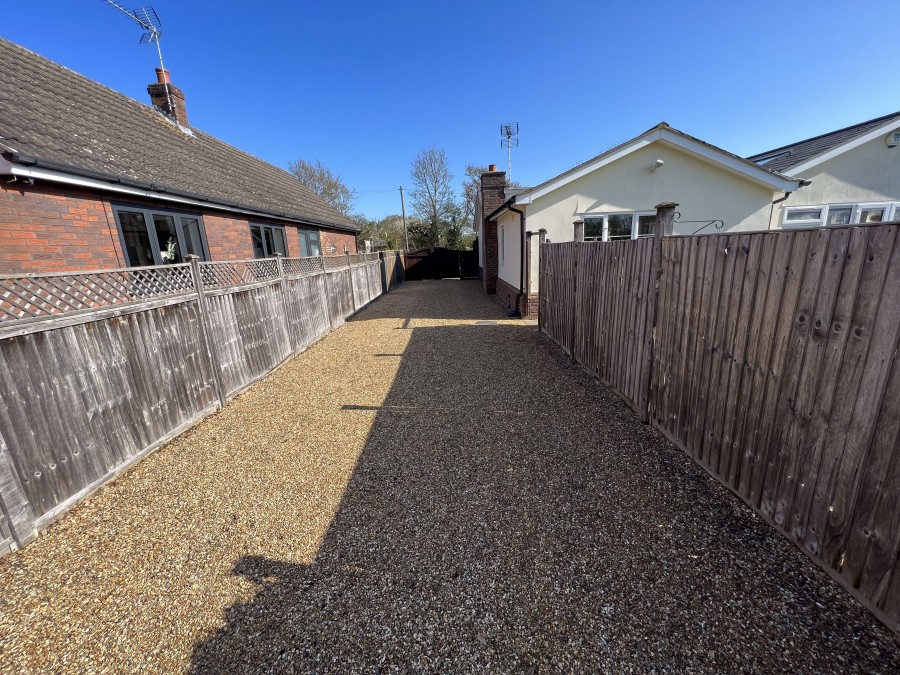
<point>775,366</point>
<point>89,385</point>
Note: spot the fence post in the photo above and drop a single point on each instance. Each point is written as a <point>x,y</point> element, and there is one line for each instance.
<point>205,329</point>
<point>279,261</point>
<point>542,239</point>
<point>579,230</point>
<point>368,285</point>
<point>325,300</point>
<point>665,220</point>
<point>350,272</point>
<point>384,286</point>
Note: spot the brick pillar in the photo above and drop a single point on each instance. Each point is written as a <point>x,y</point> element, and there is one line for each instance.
<point>493,185</point>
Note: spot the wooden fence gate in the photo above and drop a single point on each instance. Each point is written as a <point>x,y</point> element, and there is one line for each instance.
<point>441,263</point>
<point>773,362</point>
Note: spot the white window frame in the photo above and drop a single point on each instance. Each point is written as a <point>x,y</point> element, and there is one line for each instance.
<point>891,213</point>
<point>635,219</point>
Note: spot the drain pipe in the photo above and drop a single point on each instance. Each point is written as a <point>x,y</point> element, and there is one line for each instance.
<point>515,312</point>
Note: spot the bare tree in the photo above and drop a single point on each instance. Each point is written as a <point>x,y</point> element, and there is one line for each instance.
<point>325,184</point>
<point>432,194</point>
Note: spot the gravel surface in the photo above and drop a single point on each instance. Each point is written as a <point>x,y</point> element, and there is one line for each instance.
<point>430,488</point>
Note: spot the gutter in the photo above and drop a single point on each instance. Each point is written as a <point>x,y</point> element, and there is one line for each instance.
<point>788,193</point>
<point>64,173</point>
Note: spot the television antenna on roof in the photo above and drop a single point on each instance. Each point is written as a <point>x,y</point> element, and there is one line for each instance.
<point>148,19</point>
<point>509,139</point>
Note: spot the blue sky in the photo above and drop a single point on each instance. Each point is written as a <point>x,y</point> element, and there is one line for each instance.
<point>364,86</point>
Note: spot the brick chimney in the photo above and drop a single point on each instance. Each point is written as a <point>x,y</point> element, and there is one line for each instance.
<point>161,99</point>
<point>493,186</point>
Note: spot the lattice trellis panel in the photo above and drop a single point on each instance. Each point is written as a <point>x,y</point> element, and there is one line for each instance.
<point>237,273</point>
<point>25,297</point>
<point>302,266</point>
<point>336,262</point>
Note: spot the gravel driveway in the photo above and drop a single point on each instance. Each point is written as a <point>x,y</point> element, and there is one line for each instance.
<point>430,488</point>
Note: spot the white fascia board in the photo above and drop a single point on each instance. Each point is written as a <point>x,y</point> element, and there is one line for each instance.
<point>502,213</point>
<point>722,159</point>
<point>8,168</point>
<point>849,145</point>
<point>735,165</point>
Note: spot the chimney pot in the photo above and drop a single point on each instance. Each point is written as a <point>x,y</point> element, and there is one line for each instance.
<point>491,167</point>
<point>162,76</point>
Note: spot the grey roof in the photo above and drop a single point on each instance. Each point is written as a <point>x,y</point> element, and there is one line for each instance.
<point>56,118</point>
<point>798,153</point>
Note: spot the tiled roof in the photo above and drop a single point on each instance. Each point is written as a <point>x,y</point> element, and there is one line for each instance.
<point>795,154</point>
<point>68,121</point>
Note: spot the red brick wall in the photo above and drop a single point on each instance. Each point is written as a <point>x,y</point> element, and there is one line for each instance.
<point>338,240</point>
<point>47,228</point>
<point>492,196</point>
<point>507,295</point>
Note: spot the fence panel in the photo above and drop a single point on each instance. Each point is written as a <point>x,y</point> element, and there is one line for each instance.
<point>557,296</point>
<point>775,367</point>
<point>98,368</point>
<point>78,401</point>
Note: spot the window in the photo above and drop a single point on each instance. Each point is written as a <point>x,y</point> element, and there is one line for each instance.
<point>267,240</point>
<point>840,214</point>
<point>612,226</point>
<point>154,237</point>
<point>309,243</point>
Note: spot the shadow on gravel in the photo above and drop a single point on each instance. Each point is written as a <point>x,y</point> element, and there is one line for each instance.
<point>461,299</point>
<point>508,513</point>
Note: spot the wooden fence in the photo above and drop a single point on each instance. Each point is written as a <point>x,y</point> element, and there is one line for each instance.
<point>99,368</point>
<point>774,364</point>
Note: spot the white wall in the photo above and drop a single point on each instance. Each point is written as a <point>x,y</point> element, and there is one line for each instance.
<point>508,269</point>
<point>869,173</point>
<point>702,190</point>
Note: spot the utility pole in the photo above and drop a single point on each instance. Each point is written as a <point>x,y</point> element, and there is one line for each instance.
<point>403,210</point>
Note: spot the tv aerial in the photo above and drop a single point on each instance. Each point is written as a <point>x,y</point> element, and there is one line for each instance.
<point>148,20</point>
<point>509,139</point>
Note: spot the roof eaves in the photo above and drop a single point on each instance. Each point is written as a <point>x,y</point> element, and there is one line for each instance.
<point>30,160</point>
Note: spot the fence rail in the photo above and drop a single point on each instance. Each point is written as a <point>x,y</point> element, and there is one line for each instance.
<point>774,365</point>
<point>99,368</point>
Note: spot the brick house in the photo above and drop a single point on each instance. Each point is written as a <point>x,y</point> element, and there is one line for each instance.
<point>90,179</point>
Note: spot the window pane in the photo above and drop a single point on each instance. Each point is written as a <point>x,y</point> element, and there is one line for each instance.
<point>278,236</point>
<point>593,228</point>
<point>839,215</point>
<point>256,235</point>
<point>871,215</point>
<point>304,244</point>
<point>167,239</point>
<point>619,225</point>
<point>193,242</point>
<point>647,225</point>
<point>137,240</point>
<point>315,248</point>
<point>804,214</point>
<point>268,241</point>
